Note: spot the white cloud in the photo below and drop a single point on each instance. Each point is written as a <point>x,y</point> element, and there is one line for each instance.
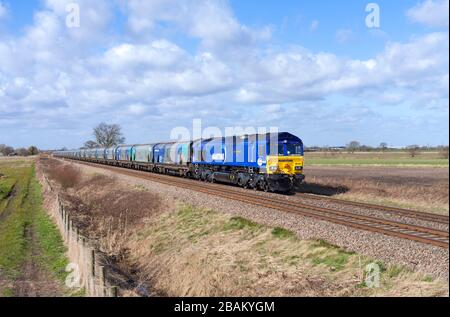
<point>211,22</point>
<point>432,13</point>
<point>136,109</point>
<point>418,65</point>
<point>94,18</point>
<point>158,54</point>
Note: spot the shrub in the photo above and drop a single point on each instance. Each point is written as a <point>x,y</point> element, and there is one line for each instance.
<point>66,175</point>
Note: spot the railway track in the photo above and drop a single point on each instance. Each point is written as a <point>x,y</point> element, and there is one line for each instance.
<point>397,229</point>
<point>399,211</point>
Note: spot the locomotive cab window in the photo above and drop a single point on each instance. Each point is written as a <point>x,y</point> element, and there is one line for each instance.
<point>293,149</point>
<point>290,149</point>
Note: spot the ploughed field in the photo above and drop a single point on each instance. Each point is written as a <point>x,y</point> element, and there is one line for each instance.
<point>419,188</point>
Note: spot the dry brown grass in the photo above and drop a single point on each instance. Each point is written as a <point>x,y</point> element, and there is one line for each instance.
<point>430,198</point>
<point>104,210</point>
<point>196,252</point>
<point>67,176</point>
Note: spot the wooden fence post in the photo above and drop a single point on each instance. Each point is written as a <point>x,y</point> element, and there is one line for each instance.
<point>114,291</point>
<point>101,280</point>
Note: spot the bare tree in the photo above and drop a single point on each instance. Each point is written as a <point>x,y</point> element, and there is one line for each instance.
<point>90,145</point>
<point>353,146</point>
<point>22,152</point>
<point>6,150</point>
<point>383,146</point>
<point>413,150</point>
<point>108,135</point>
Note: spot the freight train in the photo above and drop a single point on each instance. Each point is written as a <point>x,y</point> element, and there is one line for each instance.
<point>268,162</point>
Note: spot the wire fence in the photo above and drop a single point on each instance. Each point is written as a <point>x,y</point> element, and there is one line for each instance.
<point>89,269</point>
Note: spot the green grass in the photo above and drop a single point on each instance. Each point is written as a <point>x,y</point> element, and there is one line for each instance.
<point>333,257</point>
<point>428,279</point>
<point>238,223</point>
<point>52,256</point>
<point>401,158</point>
<point>335,262</point>
<point>6,185</point>
<point>282,233</point>
<point>23,214</point>
<point>12,229</point>
<point>7,292</point>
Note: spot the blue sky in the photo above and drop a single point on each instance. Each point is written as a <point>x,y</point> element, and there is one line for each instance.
<point>312,68</point>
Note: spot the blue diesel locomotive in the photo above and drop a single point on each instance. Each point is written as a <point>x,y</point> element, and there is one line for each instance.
<point>268,162</point>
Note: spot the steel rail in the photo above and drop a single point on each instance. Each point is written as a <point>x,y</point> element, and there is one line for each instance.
<point>406,212</point>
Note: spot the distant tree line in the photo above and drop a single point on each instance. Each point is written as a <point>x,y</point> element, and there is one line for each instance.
<point>355,146</point>
<point>6,150</point>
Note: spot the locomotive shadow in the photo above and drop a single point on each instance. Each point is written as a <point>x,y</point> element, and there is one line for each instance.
<point>323,190</point>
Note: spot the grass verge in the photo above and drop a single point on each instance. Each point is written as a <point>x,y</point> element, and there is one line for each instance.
<point>52,255</point>
<point>15,219</point>
<point>27,233</point>
<point>196,252</point>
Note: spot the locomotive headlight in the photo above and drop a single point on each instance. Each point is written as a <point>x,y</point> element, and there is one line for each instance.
<point>299,168</point>
<point>273,168</point>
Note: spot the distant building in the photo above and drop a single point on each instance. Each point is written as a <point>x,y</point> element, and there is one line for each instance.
<point>324,148</point>
<point>338,148</point>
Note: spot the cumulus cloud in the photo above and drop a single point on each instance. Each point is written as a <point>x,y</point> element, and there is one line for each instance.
<point>212,22</point>
<point>433,13</point>
<point>158,54</point>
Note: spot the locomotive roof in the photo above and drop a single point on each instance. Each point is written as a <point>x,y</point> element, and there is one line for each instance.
<point>280,135</point>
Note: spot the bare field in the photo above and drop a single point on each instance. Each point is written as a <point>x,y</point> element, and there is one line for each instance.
<point>389,158</point>
<point>175,249</point>
<point>421,188</point>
